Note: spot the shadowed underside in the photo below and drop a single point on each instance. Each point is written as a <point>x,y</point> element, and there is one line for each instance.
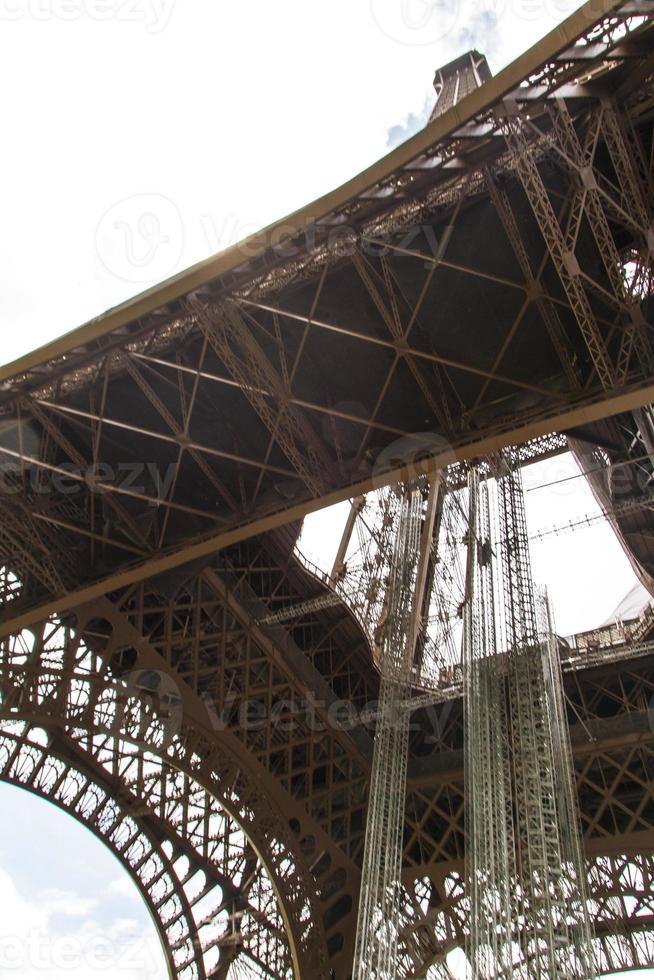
<point>471,286</point>
<point>487,283</point>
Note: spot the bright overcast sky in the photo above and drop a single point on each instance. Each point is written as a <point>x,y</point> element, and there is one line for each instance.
<point>143,135</point>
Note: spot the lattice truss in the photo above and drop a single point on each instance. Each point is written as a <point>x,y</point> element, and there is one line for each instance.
<point>565,912</point>
<point>293,372</point>
<point>113,753</point>
<point>361,572</point>
<point>619,903</point>
<point>529,915</point>
<point>361,576</point>
<point>608,707</point>
<point>380,900</point>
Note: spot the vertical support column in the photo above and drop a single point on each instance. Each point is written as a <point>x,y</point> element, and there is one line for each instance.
<point>526,876</point>
<point>555,942</point>
<point>379,903</point>
<point>541,898</point>
<point>490,847</point>
<point>338,568</point>
<point>574,865</point>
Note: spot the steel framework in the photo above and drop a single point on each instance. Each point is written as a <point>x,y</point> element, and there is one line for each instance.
<point>380,896</point>
<point>525,870</point>
<point>315,775</point>
<point>490,851</point>
<point>371,283</point>
<point>156,464</point>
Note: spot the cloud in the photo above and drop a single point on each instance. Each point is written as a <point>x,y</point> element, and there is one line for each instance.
<point>125,888</point>
<point>18,916</point>
<point>55,901</point>
<point>38,938</point>
<point>480,33</point>
<point>412,123</point>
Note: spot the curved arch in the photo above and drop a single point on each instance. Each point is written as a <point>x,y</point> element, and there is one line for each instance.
<point>10,773</point>
<point>53,680</point>
<point>187,896</point>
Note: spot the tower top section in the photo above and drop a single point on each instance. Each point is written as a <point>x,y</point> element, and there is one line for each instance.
<point>455,80</point>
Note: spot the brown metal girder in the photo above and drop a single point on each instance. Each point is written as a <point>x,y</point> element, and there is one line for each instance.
<point>639,842</point>
<point>608,791</point>
<point>566,418</point>
<point>536,279</point>
<point>85,532</point>
<point>97,436</point>
<point>603,183</point>
<point>228,261</point>
<point>291,375</point>
<point>86,765</point>
<point>392,320</point>
<point>180,433</point>
<point>399,349</point>
<point>108,487</point>
<point>162,437</point>
<point>413,320</point>
<point>626,730</point>
<point>414,310</point>
<point>228,327</point>
<point>361,745</point>
<point>300,402</point>
<point>158,829</point>
<point>78,459</point>
<point>430,260</point>
<point>196,713</point>
<point>554,235</point>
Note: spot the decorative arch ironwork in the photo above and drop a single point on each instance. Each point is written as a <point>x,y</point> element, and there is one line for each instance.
<point>102,746</point>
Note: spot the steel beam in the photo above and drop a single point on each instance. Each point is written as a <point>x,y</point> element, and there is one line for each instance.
<point>556,420</point>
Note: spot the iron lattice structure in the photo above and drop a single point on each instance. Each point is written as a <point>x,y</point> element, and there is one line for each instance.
<point>157,462</point>
<point>526,874</point>
<point>296,371</point>
<point>608,691</point>
<point>491,856</point>
<point>380,900</point>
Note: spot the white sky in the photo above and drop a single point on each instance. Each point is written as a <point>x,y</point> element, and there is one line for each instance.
<point>69,911</point>
<point>143,135</point>
<point>144,141</point>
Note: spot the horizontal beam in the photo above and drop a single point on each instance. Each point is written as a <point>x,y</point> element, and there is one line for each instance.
<point>553,421</point>
<point>592,738</point>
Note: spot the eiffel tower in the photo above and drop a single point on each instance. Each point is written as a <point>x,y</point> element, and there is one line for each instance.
<point>177,677</point>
